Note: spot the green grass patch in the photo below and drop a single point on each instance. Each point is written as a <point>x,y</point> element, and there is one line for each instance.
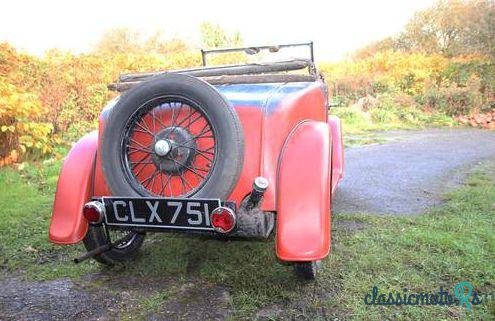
<point>362,128</point>
<point>358,122</point>
<point>452,243</point>
<point>26,201</point>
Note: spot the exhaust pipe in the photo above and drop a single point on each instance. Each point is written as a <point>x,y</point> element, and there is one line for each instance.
<point>102,248</point>
<point>252,222</point>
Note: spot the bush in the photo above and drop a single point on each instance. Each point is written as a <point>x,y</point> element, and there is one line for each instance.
<point>451,85</point>
<point>384,116</point>
<point>352,117</point>
<point>21,131</point>
<point>55,99</point>
<point>44,102</point>
<point>452,100</point>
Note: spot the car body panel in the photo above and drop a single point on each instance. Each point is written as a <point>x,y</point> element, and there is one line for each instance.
<point>251,119</point>
<point>267,112</point>
<point>100,185</point>
<point>303,207</point>
<point>74,189</point>
<point>307,103</point>
<point>337,150</point>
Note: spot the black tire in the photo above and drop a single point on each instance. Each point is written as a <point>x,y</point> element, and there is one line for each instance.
<point>307,270</point>
<point>96,237</point>
<point>224,122</point>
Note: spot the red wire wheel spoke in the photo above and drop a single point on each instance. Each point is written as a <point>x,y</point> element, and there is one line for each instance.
<point>169,147</point>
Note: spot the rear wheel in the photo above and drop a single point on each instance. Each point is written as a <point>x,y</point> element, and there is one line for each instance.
<point>307,270</point>
<point>122,252</point>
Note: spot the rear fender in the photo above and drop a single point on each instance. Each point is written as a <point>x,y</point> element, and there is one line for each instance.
<point>337,150</point>
<point>74,189</point>
<point>303,194</point>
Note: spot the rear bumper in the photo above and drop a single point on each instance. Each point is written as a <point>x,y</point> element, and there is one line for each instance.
<point>187,215</point>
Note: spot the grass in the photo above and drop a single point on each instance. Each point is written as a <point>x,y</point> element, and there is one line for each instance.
<point>452,243</point>
<point>25,203</point>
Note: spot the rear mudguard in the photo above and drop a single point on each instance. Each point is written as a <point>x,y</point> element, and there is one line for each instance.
<point>303,195</point>
<point>74,189</point>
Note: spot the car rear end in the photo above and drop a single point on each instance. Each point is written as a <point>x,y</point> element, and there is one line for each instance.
<point>200,151</point>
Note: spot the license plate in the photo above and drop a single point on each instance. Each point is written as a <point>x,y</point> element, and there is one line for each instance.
<point>167,213</point>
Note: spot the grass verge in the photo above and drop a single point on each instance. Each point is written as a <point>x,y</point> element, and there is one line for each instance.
<point>360,127</point>
<point>452,243</point>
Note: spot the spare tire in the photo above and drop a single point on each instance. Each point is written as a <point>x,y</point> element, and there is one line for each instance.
<point>172,136</point>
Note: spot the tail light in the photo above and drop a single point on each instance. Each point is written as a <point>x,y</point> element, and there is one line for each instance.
<point>94,212</point>
<point>223,219</point>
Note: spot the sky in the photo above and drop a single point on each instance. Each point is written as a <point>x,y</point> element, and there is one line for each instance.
<point>336,27</point>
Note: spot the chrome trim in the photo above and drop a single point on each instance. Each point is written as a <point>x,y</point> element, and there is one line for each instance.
<point>100,208</point>
<point>231,213</point>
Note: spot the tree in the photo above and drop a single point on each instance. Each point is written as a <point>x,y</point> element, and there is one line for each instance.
<point>157,43</point>
<point>452,27</point>
<point>373,48</point>
<point>119,40</point>
<point>127,41</point>
<point>214,36</point>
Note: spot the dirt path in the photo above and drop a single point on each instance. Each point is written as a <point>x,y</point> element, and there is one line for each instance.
<point>109,296</point>
<point>409,174</point>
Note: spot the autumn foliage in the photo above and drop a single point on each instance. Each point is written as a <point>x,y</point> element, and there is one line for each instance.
<point>454,86</point>
<point>53,100</point>
<point>442,63</point>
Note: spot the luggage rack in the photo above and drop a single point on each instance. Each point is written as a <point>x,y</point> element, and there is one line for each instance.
<point>273,72</point>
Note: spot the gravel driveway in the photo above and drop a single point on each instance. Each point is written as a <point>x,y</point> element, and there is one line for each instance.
<point>409,174</point>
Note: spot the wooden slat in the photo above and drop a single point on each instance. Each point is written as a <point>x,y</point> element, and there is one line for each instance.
<point>232,79</point>
<point>226,70</point>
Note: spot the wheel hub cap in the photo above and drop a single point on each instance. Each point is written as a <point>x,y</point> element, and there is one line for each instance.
<point>162,147</point>
<point>173,150</point>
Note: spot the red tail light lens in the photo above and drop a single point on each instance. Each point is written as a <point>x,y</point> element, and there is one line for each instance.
<point>93,212</point>
<point>223,219</point>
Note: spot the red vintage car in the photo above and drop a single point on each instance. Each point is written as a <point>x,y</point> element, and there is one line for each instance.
<point>233,151</point>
